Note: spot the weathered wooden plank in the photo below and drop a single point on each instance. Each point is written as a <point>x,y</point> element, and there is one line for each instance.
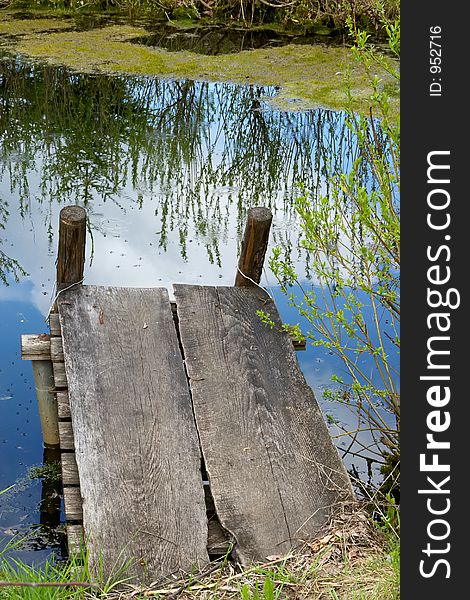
<point>54,324</point>
<point>66,436</point>
<point>36,346</point>
<point>60,377</point>
<point>57,353</point>
<point>217,541</point>
<point>136,443</point>
<point>274,472</point>
<point>69,469</point>
<point>63,406</point>
<point>73,506</point>
<point>75,538</point>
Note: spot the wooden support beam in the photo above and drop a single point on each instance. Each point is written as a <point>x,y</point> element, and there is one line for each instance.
<point>54,324</point>
<point>298,344</point>
<point>254,245</point>
<point>218,541</point>
<point>60,377</point>
<point>47,401</point>
<point>69,469</point>
<point>75,538</point>
<point>71,251</point>
<point>73,508</point>
<point>57,353</point>
<point>66,435</point>
<point>36,346</point>
<point>63,405</point>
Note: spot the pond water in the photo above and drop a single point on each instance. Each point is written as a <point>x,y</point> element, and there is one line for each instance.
<point>215,40</point>
<point>166,171</point>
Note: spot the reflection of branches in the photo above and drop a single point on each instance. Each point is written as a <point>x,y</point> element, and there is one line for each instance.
<point>179,144</point>
<point>7,264</point>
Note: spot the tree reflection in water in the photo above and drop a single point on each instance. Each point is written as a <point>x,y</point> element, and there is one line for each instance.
<point>197,151</point>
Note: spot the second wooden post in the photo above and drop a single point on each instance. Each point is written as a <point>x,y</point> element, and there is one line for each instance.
<point>71,251</point>
<point>254,246</point>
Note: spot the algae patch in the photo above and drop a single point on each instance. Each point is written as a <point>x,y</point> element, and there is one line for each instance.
<point>12,27</point>
<point>308,76</point>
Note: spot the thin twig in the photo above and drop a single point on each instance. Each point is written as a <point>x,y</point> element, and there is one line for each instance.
<point>58,584</point>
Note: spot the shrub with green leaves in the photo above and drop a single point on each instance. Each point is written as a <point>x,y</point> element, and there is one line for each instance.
<point>352,241</point>
<point>330,13</point>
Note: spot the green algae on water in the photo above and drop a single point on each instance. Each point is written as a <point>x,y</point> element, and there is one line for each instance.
<point>307,76</point>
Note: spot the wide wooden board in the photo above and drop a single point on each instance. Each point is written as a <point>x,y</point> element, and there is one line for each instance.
<point>136,443</point>
<point>274,472</point>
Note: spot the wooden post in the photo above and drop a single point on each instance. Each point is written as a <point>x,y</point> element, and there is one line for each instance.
<point>254,245</point>
<point>71,251</point>
<point>47,402</point>
<point>37,349</point>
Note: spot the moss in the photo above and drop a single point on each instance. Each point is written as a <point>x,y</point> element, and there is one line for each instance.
<point>308,76</point>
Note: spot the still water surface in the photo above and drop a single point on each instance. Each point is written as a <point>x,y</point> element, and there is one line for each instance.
<point>166,171</point>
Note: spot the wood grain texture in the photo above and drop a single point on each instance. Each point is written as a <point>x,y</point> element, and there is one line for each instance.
<point>57,353</point>
<point>35,346</point>
<point>71,247</point>
<point>75,539</point>
<point>253,247</point>
<point>69,469</point>
<point>73,505</point>
<point>63,405</point>
<point>66,436</point>
<point>136,442</point>
<point>274,472</point>
<point>60,377</point>
<point>54,324</point>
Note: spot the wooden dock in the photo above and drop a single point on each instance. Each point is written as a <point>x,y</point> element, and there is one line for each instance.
<point>185,428</point>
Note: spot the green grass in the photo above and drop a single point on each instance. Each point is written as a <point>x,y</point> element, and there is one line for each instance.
<point>353,560</point>
<point>53,579</point>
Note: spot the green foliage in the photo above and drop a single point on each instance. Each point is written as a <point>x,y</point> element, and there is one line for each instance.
<point>352,238</point>
<point>293,330</point>
<point>268,592</point>
<point>297,13</point>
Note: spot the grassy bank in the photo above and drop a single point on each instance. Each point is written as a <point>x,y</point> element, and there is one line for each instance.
<point>353,559</point>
